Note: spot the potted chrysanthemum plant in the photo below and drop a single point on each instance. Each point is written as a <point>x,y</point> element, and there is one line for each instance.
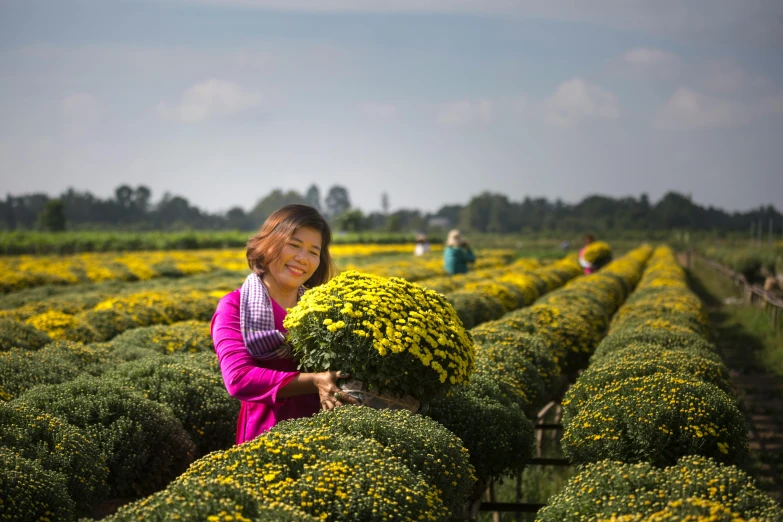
<point>401,343</point>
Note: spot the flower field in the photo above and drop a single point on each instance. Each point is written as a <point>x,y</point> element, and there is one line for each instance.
<point>110,389</point>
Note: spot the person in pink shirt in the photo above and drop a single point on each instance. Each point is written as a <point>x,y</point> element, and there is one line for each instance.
<point>288,254</point>
<point>586,265</point>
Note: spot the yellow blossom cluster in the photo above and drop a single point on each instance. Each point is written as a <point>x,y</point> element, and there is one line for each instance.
<point>695,489</point>
<point>389,333</point>
<point>596,251</point>
<point>571,320</point>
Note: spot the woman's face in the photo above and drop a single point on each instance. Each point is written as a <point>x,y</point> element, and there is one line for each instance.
<point>298,260</point>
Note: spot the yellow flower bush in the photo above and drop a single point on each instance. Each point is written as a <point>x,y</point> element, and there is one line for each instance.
<point>695,489</point>
<point>57,447</point>
<point>572,320</point>
<point>391,334</point>
<point>30,492</point>
<point>656,418</point>
<point>597,251</point>
<point>655,389</point>
<point>331,476</point>
<point>423,445</point>
<point>207,500</point>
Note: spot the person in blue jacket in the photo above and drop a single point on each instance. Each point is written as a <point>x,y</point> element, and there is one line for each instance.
<point>457,254</point>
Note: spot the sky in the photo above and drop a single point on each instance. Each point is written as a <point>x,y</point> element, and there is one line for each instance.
<point>429,101</point>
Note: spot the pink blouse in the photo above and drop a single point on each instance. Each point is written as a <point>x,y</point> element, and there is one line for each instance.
<point>255,383</point>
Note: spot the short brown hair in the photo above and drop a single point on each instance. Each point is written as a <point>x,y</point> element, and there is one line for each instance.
<point>264,247</point>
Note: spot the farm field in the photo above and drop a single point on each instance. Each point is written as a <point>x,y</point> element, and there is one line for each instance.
<point>111,395</point>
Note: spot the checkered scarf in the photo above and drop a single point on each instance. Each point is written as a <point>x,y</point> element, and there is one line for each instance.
<point>257,321</point>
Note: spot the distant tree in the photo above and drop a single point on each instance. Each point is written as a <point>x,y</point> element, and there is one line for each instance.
<point>8,212</point>
<point>141,199</point>
<point>393,223</point>
<point>52,217</point>
<point>337,201</point>
<point>123,195</point>
<point>273,201</point>
<point>313,197</point>
<point>350,221</point>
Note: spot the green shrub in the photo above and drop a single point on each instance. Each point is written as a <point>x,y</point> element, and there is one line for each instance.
<point>107,323</point>
<point>628,492</point>
<point>144,445</point>
<point>29,492</point>
<point>185,336</point>
<point>528,345</point>
<point>513,370</point>
<point>363,484</point>
<point>56,446</point>
<point>474,308</point>
<point>22,370</point>
<point>657,418</point>
<point>339,477</point>
<point>498,436</point>
<point>619,340</point>
<point>206,361</point>
<point>196,397</point>
<point>630,363</point>
<point>198,500</point>
<point>16,334</point>
<point>423,445</point>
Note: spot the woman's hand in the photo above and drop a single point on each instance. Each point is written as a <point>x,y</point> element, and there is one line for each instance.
<point>329,394</point>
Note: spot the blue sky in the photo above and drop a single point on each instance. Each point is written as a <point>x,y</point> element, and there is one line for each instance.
<point>430,101</point>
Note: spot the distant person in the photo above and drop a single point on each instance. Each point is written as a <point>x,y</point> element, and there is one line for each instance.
<point>600,254</point>
<point>422,246</point>
<point>457,254</point>
<point>565,245</point>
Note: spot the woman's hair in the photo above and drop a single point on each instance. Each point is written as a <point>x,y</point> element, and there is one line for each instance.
<point>454,238</point>
<point>265,246</point>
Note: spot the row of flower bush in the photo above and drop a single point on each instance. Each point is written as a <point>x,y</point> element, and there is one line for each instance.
<point>100,315</point>
<point>20,272</point>
<point>656,394</point>
<point>486,295</point>
<point>484,404</point>
<point>193,396</point>
<point>516,368</point>
<point>418,268</point>
<point>352,463</point>
<point>138,418</point>
<point>655,389</point>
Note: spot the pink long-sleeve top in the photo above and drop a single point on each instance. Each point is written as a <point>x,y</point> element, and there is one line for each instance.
<point>255,383</point>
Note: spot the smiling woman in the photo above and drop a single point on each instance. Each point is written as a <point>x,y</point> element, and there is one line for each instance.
<point>289,254</point>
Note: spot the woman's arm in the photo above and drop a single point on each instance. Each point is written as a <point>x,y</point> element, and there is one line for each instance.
<point>246,381</point>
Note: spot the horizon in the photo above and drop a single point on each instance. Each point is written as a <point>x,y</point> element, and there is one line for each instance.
<point>432,104</point>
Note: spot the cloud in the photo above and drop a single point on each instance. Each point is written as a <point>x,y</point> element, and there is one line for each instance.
<point>752,21</point>
<point>576,101</point>
<point>81,111</point>
<point>688,109</point>
<point>466,112</point>
<point>211,99</point>
<point>729,77</point>
<point>648,60</point>
<point>382,112</point>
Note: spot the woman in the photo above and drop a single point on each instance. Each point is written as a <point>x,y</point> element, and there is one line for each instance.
<point>586,265</point>
<point>457,254</point>
<point>288,254</point>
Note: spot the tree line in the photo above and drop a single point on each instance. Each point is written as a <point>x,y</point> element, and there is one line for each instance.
<point>133,209</point>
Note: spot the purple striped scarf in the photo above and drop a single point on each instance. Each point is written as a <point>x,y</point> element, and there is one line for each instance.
<point>257,321</point>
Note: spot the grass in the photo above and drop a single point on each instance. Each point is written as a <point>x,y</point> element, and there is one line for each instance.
<point>753,350</point>
<point>738,324</point>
